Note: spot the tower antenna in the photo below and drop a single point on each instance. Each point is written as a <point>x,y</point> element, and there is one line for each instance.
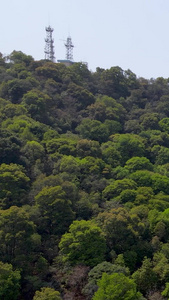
<point>49,46</point>
<point>69,48</point>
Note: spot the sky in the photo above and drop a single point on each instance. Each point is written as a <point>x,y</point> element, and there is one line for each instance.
<point>131,34</point>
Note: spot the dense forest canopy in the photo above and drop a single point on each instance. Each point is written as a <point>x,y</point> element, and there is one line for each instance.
<point>84,182</point>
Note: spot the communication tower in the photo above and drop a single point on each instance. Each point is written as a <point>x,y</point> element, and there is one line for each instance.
<point>49,47</point>
<point>69,48</point>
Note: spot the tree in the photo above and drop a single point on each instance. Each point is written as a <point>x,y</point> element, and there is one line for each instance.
<point>110,154</point>
<point>113,83</point>
<point>25,127</point>
<point>116,286</point>
<point>70,164</point>
<point>165,293</point>
<point>2,60</point>
<point>65,146</point>
<point>88,148</point>
<point>20,57</point>
<point>117,228</point>
<point>55,209</point>
<point>9,282</point>
<point>13,185</point>
<point>161,267</point>
<point>80,74</point>
<point>81,96</point>
<point>96,273</point>
<point>10,146</point>
<point>162,106</point>
<point>145,277</point>
<point>114,189</point>
<point>93,130</point>
<point>83,244</point>
<point>11,110</point>
<point>16,236</point>
<point>129,145</point>
<point>164,124</point>
<point>47,293</point>
<point>162,155</point>
<point>143,195</point>
<point>142,177</point>
<point>128,195</point>
<point>107,109</point>
<point>149,121</point>
<point>160,183</point>
<point>33,151</point>
<point>15,89</point>
<point>37,103</point>
<point>138,163</point>
<point>49,70</point>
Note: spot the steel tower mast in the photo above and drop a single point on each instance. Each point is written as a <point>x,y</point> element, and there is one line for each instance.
<point>49,47</point>
<point>69,48</point>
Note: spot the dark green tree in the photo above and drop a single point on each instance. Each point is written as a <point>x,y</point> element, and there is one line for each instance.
<point>9,282</point>
<point>145,277</point>
<point>17,237</point>
<point>55,209</point>
<point>14,184</point>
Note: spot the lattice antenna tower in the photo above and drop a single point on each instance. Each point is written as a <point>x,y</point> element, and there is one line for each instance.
<point>69,48</point>
<point>49,46</point>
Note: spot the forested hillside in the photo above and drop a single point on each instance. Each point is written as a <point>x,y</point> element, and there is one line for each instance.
<point>84,182</point>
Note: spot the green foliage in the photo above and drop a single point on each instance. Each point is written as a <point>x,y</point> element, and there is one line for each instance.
<point>36,104</point>
<point>160,183</point>
<point>69,164</point>
<point>145,277</point>
<point>16,230</point>
<point>83,244</point>
<point>114,190</point>
<point>116,286</point>
<point>65,146</point>
<point>150,121</point>
<point>113,83</point>
<point>117,228</point>
<point>20,57</point>
<point>82,96</point>
<point>10,147</point>
<point>15,89</point>
<point>164,124</point>
<point>46,294</point>
<point>138,163</point>
<point>143,195</point>
<point>89,147</point>
<point>161,266</point>
<point>33,151</point>
<point>94,130</point>
<point>9,282</point>
<point>25,127</point>
<point>162,156</point>
<point>55,210</point>
<point>49,70</point>
<point>165,293</point>
<point>96,273</point>
<point>129,145</point>
<point>11,110</point>
<point>110,154</point>
<point>128,195</point>
<point>13,185</point>
<point>106,109</point>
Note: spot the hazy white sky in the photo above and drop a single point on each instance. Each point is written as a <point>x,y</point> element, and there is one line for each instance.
<point>132,34</point>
